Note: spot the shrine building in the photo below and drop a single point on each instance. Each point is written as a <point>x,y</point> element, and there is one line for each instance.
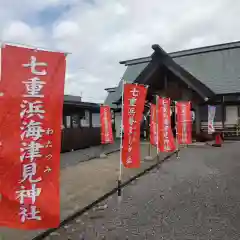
<point>205,76</point>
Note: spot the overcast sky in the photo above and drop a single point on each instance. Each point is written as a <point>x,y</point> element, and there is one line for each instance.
<point>100,33</point>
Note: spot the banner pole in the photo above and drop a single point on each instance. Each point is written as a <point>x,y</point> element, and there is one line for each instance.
<point>177,145</point>
<point>148,133</point>
<point>157,106</point>
<point>149,147</point>
<point>103,148</point>
<point>121,149</point>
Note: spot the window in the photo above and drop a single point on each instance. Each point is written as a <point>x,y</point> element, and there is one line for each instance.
<point>204,113</point>
<point>85,119</point>
<point>112,116</point>
<point>75,121</point>
<point>96,120</point>
<point>68,121</point>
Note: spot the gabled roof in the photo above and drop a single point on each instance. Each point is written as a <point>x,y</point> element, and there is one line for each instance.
<point>216,66</point>
<point>182,73</point>
<point>217,69</point>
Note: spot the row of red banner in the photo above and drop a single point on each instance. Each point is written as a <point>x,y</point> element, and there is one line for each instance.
<point>32,82</point>
<point>161,132</point>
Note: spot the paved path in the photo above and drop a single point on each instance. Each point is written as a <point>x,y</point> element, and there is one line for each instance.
<point>82,183</point>
<point>194,198</point>
<point>75,157</point>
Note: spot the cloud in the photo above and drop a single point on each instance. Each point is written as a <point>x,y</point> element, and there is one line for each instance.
<point>66,29</point>
<point>100,33</point>
<point>20,32</point>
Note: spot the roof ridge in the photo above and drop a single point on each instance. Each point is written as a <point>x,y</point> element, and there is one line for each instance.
<point>208,48</point>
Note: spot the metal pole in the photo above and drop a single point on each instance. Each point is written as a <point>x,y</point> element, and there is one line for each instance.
<point>103,149</point>
<point>148,124</point>
<point>157,106</point>
<point>177,145</point>
<point>149,147</point>
<point>102,144</point>
<point>121,148</point>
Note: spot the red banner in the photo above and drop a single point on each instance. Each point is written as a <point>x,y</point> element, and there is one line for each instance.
<point>106,125</point>
<point>32,83</point>
<point>134,99</point>
<point>165,135</point>
<point>184,122</point>
<point>153,125</point>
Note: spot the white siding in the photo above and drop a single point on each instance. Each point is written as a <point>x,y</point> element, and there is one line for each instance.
<point>118,118</point>
<point>231,115</point>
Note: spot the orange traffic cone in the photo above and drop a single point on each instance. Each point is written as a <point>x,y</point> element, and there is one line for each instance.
<point>218,141</point>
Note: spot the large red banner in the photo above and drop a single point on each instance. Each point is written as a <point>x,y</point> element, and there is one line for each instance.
<point>184,122</point>
<point>165,135</point>
<point>153,125</point>
<point>134,99</point>
<point>32,82</point>
<point>106,125</point>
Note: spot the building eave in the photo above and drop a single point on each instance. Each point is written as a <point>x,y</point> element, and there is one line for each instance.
<point>111,89</point>
<point>82,104</point>
<point>136,61</point>
<point>228,94</point>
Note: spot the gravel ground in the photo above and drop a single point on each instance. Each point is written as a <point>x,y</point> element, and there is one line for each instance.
<point>196,197</point>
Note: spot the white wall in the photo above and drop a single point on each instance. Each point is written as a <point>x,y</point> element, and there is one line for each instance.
<point>231,118</point>
<point>231,115</point>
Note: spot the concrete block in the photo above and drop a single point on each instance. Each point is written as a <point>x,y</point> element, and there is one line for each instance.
<point>103,155</point>
<point>148,158</point>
